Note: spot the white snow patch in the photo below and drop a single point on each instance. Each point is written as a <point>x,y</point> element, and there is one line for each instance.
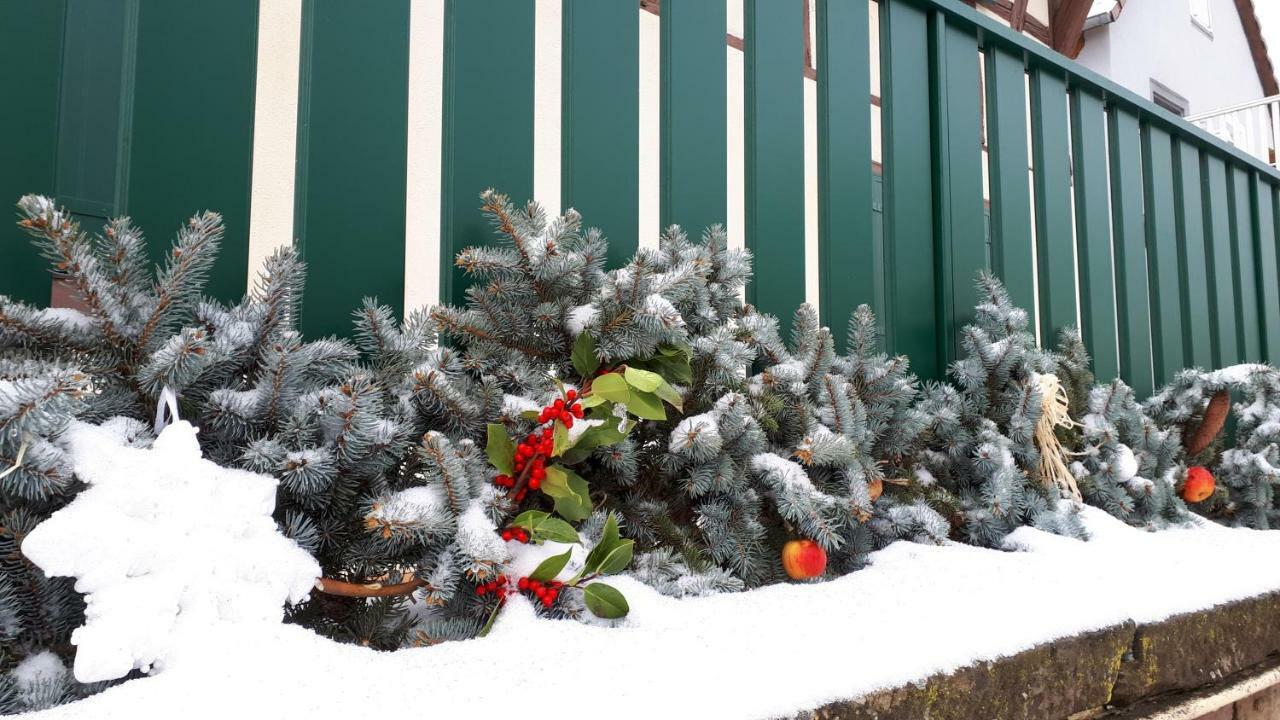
<point>789,473</point>
<point>478,537</point>
<point>924,477</point>
<point>579,318</point>
<point>36,670</point>
<point>1236,374</point>
<point>412,504</point>
<point>516,404</point>
<point>1126,463</point>
<point>1054,587</point>
<point>169,548</point>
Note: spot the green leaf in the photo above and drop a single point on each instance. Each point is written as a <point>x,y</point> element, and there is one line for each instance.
<point>604,601</point>
<point>556,530</point>
<point>530,519</point>
<point>668,393</point>
<point>646,405</point>
<point>591,401</point>
<point>617,559</point>
<point>609,539</point>
<point>611,386</point>
<point>560,439</point>
<point>598,435</point>
<point>584,355</point>
<point>530,414</point>
<point>500,450</point>
<point>556,483</point>
<point>548,569</point>
<point>642,380</point>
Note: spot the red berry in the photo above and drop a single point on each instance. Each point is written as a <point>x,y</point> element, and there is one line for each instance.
<point>535,484</point>
<point>546,601</point>
<point>506,534</point>
<point>558,404</point>
<point>501,580</point>
<point>523,583</point>
<point>567,420</point>
<point>531,439</point>
<point>571,394</point>
<point>480,590</point>
<point>547,434</point>
<point>577,411</point>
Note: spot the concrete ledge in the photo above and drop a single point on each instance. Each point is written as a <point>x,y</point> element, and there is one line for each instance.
<point>1089,675</point>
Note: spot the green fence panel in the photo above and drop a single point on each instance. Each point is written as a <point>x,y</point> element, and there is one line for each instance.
<point>957,155</point>
<point>1217,225</point>
<point>1262,196</point>
<point>1246,264</point>
<point>352,130</point>
<point>1093,232</point>
<point>693,94</point>
<point>773,48</point>
<point>1167,345</point>
<point>847,264</point>
<point>911,326</point>
<point>1190,218</point>
<point>1055,253</point>
<point>488,122</point>
<point>1008,160</point>
<point>600,144</point>
<point>188,152</point>
<point>1129,242</point>
<point>30,64</point>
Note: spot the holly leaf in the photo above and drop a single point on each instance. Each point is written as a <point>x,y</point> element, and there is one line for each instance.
<point>530,519</point>
<point>646,405</point>
<point>571,493</point>
<point>556,483</point>
<point>668,393</point>
<point>604,601</point>
<point>499,449</point>
<point>611,386</point>
<point>584,355</point>
<point>618,558</point>
<point>591,401</point>
<point>609,538</point>
<point>529,414</point>
<point>555,530</point>
<point>642,380</point>
<point>560,439</point>
<point>548,569</point>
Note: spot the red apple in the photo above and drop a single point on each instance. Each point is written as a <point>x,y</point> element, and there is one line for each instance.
<point>803,559</point>
<point>1199,485</point>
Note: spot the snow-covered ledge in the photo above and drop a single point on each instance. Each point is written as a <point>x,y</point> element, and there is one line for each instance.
<point>918,612</point>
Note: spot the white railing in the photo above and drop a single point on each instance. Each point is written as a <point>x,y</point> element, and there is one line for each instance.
<point>1253,126</point>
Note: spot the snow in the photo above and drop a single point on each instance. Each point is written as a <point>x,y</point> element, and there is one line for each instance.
<point>1126,463</point>
<point>736,644</point>
<point>410,505</point>
<point>1236,374</point>
<point>169,548</point>
<point>579,318</point>
<point>788,473</point>
<point>42,668</point>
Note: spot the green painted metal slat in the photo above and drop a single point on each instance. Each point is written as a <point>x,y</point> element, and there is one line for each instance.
<point>1247,291</point>
<point>488,135</point>
<point>30,65</point>
<point>192,153</point>
<point>692,98</point>
<point>1217,228</point>
<point>1262,196</point>
<point>911,325</point>
<point>773,48</point>
<point>1190,219</point>
<point>959,223</point>
<point>847,256</point>
<point>1093,232</point>
<point>1129,242</point>
<point>352,125</point>
<point>599,136</point>
<point>1055,253</point>
<point>1162,254</point>
<point>1008,160</point>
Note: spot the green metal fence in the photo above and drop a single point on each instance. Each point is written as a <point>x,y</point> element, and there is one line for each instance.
<point>1157,238</point>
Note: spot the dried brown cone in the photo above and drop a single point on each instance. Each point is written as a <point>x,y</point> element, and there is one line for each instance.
<point>1215,416</point>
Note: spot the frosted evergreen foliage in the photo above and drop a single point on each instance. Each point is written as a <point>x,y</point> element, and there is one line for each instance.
<point>981,448</point>
<point>1129,465</point>
<point>1246,472</point>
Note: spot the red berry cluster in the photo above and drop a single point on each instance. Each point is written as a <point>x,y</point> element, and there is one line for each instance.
<point>496,586</point>
<point>518,534</point>
<point>563,410</point>
<point>545,592</point>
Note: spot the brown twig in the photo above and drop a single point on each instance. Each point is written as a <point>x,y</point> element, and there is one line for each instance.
<point>1215,416</point>
<point>343,588</point>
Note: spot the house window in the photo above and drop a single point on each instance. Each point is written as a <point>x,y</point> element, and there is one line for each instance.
<point>1200,16</point>
<point>1166,98</point>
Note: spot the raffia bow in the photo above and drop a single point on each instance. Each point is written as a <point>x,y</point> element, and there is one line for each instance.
<point>1053,464</point>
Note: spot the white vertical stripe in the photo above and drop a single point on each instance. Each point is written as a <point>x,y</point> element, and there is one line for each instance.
<point>424,145</point>
<point>735,194</point>
<point>547,95</point>
<point>275,130</point>
<point>650,129</point>
<point>811,285</point>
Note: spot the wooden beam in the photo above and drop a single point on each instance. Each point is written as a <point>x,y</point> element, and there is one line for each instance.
<point>1018,18</point>
<point>1067,26</point>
